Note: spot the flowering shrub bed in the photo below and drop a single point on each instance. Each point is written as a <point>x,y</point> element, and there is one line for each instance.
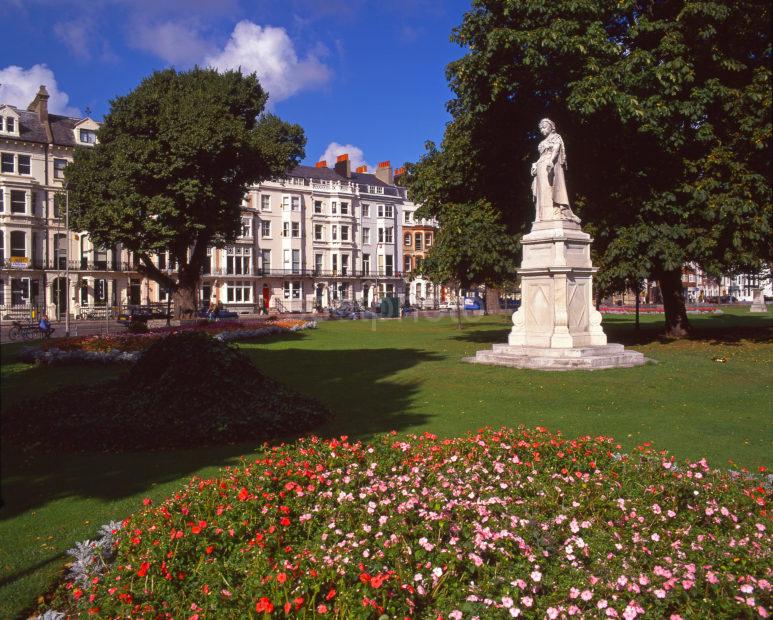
<point>507,523</point>
<point>188,389</point>
<point>128,347</point>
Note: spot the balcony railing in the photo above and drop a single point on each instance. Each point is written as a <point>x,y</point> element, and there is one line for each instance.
<point>60,264</point>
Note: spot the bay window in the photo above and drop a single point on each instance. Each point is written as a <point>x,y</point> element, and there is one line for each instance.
<point>238,260</point>
<point>238,292</point>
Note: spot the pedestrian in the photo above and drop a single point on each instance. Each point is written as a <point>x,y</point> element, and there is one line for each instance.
<point>45,327</point>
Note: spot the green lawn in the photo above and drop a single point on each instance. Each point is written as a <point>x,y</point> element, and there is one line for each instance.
<point>402,375</point>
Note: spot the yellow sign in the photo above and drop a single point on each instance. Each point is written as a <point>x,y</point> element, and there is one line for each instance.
<point>19,262</point>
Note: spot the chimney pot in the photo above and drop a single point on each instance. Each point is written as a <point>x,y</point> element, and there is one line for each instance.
<point>362,169</point>
<point>321,164</point>
<point>384,173</point>
<point>344,166</point>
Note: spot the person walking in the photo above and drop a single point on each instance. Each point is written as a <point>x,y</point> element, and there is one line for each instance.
<point>45,327</point>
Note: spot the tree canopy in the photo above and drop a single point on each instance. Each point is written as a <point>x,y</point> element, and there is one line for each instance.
<point>665,110</point>
<point>171,167</point>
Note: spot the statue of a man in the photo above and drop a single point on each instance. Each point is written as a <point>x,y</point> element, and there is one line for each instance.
<point>548,186</point>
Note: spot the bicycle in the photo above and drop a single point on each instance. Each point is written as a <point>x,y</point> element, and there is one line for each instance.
<point>20,330</point>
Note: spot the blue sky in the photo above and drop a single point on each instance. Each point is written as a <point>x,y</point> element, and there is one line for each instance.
<point>365,75</point>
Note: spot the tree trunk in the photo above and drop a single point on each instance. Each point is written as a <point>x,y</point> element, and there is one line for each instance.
<point>185,297</point>
<point>492,300</point>
<point>677,325</point>
<point>185,306</point>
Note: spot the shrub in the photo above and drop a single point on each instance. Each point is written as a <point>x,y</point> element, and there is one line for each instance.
<point>188,389</point>
<point>498,524</point>
<point>137,327</point>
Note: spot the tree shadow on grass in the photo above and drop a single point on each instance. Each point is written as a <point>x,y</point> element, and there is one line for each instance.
<point>355,384</point>
<point>733,330</point>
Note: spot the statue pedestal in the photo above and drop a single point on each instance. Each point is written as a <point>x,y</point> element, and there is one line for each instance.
<point>758,301</point>
<point>557,327</point>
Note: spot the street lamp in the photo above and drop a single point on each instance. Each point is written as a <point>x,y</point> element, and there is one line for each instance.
<point>67,263</point>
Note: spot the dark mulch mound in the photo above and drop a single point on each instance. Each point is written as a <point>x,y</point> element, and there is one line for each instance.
<point>187,390</point>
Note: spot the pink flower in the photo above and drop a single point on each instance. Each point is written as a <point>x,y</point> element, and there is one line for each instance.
<point>587,595</point>
<point>660,593</point>
<point>455,615</point>
<point>687,584</point>
<point>527,601</point>
<point>536,576</point>
<point>552,613</point>
<point>602,603</point>
<point>630,613</point>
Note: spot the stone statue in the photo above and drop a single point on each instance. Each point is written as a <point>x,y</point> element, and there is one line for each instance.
<point>548,186</point>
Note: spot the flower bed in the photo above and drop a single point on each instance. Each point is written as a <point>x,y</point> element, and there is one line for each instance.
<point>507,523</point>
<point>128,347</point>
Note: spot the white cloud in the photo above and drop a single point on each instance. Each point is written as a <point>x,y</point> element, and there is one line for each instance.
<point>19,86</point>
<point>269,52</point>
<point>77,36</point>
<point>356,156</point>
<point>174,42</point>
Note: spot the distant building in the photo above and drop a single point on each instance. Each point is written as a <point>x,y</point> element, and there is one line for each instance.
<point>418,238</point>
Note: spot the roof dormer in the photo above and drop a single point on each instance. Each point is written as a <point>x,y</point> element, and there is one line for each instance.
<point>86,132</point>
<point>9,121</point>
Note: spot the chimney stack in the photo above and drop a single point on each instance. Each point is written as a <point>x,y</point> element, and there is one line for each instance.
<point>344,166</point>
<point>362,169</point>
<point>384,173</point>
<point>321,164</point>
<point>40,105</point>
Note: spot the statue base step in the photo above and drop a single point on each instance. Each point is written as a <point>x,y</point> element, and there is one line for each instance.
<point>546,358</point>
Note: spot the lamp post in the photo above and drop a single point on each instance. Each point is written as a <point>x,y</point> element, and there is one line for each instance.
<point>67,263</point>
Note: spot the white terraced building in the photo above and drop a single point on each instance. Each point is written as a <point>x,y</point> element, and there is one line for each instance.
<point>315,237</point>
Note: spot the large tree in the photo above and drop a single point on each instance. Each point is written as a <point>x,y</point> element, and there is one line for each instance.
<point>171,167</point>
<point>665,109</point>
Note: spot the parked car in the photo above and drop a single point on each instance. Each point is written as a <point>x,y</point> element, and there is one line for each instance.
<point>473,303</point>
<point>218,315</point>
<point>352,311</point>
<point>142,314</point>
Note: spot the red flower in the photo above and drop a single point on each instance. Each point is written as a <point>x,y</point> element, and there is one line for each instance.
<point>243,494</point>
<point>264,604</point>
<point>143,569</point>
<point>284,521</point>
<point>147,501</point>
<point>364,577</point>
<point>330,594</point>
<point>281,577</point>
<point>210,549</point>
<point>376,581</point>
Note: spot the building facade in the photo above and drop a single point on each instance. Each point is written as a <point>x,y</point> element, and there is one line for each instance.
<point>316,237</point>
<point>418,237</point>
<point>37,251</point>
